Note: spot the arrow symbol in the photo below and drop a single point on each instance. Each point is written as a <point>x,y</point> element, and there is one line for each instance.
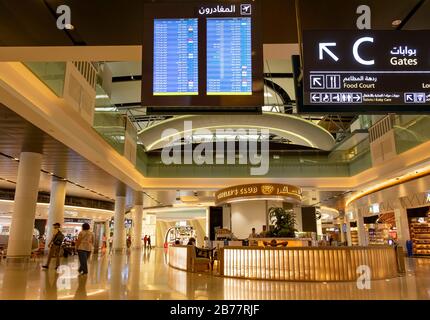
<point>323,46</point>
<point>315,97</point>
<point>316,81</point>
<point>356,97</point>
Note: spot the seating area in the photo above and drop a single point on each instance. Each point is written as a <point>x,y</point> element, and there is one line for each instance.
<point>191,258</point>
<point>202,259</point>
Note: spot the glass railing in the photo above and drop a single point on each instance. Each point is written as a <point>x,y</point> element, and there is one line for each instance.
<point>111,126</point>
<point>282,164</point>
<point>52,74</point>
<point>410,131</point>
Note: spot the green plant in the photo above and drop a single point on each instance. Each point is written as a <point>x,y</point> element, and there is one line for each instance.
<point>283,222</point>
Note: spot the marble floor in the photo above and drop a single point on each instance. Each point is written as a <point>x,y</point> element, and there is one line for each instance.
<point>145,275</point>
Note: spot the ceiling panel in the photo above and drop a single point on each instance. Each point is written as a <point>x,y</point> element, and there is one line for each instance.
<point>57,159</point>
<point>112,22</point>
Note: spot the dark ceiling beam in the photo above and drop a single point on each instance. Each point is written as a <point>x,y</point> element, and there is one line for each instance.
<point>410,14</point>
<point>73,35</point>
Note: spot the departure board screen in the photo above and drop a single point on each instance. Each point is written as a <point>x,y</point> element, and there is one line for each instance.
<point>175,57</point>
<point>229,61</point>
<point>202,57</point>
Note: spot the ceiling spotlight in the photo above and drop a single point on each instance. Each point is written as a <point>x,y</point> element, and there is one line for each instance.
<point>396,23</point>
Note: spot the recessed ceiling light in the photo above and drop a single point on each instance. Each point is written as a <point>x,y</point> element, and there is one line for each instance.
<point>396,22</point>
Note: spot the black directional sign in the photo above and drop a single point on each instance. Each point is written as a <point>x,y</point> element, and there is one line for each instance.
<point>368,70</point>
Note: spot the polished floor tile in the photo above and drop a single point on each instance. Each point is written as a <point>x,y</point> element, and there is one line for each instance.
<point>145,275</point>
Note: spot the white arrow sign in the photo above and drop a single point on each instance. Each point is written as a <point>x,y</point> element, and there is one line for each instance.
<point>316,81</point>
<point>323,47</point>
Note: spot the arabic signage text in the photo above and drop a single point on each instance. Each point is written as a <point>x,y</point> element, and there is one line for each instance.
<point>349,69</point>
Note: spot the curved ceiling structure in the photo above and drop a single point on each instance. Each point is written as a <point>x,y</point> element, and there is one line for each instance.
<point>295,129</point>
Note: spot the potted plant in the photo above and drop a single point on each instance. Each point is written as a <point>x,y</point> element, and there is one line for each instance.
<point>283,221</point>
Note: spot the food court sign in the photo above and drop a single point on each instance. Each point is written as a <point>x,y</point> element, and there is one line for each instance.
<point>257,191</point>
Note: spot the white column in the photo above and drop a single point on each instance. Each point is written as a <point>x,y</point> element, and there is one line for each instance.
<point>119,228</point>
<point>402,226</point>
<point>342,234</point>
<point>362,238</point>
<point>319,229</point>
<point>137,221</point>
<point>298,213</point>
<point>107,230</point>
<point>56,205</point>
<point>27,186</point>
<point>348,230</point>
<point>226,217</point>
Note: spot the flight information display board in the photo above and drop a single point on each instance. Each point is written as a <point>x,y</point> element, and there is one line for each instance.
<point>369,70</point>
<point>175,57</point>
<point>229,63</point>
<point>202,57</point>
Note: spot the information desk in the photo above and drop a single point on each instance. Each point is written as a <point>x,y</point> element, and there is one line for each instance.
<point>180,257</point>
<point>308,263</point>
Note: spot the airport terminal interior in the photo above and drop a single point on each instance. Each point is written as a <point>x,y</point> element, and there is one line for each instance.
<point>215,150</point>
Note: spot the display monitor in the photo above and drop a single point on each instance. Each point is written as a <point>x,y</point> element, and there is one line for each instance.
<point>229,63</point>
<point>175,57</point>
<point>202,57</point>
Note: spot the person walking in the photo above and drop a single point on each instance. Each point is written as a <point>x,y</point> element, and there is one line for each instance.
<point>145,241</point>
<point>128,242</point>
<point>84,245</point>
<point>55,246</point>
<point>149,242</point>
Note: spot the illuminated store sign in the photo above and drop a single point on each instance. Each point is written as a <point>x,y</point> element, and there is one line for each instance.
<point>264,191</point>
<point>382,70</point>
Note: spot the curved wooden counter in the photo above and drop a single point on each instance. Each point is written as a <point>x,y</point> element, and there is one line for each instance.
<point>308,263</point>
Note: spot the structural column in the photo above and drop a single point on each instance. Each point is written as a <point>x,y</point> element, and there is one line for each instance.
<point>348,230</point>
<point>137,221</point>
<point>402,226</point>
<point>119,229</point>
<point>362,238</point>
<point>27,186</point>
<point>56,205</point>
<point>298,214</point>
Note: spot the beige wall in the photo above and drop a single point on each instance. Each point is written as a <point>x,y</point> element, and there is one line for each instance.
<point>199,225</point>
<point>250,214</point>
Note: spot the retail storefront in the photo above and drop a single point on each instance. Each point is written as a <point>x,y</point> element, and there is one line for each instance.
<point>399,214</point>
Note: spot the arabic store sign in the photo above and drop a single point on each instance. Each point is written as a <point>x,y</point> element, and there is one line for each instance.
<point>257,191</point>
<point>242,9</point>
<point>374,68</point>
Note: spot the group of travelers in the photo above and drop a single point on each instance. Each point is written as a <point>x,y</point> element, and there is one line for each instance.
<point>84,246</point>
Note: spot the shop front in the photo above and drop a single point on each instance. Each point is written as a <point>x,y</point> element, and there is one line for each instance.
<point>397,215</point>
<point>262,207</point>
